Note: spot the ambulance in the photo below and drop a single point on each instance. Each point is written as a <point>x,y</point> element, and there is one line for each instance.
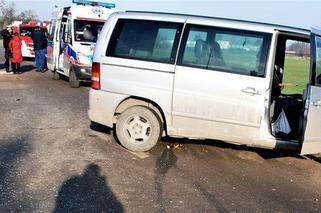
<point>72,38</point>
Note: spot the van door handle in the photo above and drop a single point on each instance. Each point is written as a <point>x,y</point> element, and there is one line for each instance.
<point>251,91</point>
<point>316,103</point>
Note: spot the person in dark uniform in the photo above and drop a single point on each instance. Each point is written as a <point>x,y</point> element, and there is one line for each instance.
<point>39,39</point>
<point>6,36</point>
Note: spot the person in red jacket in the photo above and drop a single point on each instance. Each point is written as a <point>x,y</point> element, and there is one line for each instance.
<point>15,48</point>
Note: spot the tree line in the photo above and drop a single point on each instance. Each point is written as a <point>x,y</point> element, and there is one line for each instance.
<point>8,14</point>
<point>301,49</point>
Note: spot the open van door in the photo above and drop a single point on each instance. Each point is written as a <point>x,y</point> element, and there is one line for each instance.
<point>53,48</point>
<point>51,45</point>
<point>312,136</point>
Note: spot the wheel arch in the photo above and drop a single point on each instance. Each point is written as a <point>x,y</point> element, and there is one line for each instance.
<point>137,101</point>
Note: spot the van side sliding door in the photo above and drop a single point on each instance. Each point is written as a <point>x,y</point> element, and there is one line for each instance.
<point>220,83</point>
<point>312,135</point>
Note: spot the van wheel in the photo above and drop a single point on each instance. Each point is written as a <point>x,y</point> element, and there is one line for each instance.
<point>73,79</point>
<point>139,128</point>
<point>55,75</point>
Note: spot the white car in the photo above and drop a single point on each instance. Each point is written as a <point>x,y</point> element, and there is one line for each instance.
<point>160,74</point>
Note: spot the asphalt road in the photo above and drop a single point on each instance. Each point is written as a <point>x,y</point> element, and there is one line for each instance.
<point>53,160</point>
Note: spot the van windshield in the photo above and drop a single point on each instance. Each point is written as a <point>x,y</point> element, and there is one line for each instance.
<point>87,31</point>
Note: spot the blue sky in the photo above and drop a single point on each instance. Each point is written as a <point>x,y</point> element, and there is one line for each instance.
<point>302,13</point>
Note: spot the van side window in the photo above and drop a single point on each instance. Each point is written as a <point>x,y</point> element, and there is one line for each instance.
<point>234,51</point>
<point>144,40</point>
<point>318,62</point>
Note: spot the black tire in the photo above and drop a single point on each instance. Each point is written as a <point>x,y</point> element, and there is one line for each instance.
<point>55,75</point>
<point>73,79</point>
<point>139,129</point>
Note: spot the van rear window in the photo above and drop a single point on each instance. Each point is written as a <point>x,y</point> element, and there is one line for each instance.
<point>144,40</point>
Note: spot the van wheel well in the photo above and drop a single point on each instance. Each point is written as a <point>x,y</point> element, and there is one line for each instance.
<point>129,102</point>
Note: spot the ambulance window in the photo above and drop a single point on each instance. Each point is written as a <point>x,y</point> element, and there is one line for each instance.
<point>86,30</point>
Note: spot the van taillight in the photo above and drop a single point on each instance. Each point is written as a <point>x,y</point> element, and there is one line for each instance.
<point>95,76</point>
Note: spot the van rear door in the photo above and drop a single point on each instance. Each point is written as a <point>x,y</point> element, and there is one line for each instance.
<point>312,136</point>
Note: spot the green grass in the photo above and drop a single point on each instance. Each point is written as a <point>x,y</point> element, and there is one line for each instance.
<point>296,71</point>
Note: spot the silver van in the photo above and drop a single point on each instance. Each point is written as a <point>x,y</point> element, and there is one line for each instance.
<point>157,74</point>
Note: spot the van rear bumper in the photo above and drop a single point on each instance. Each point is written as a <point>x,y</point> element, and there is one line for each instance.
<point>102,106</point>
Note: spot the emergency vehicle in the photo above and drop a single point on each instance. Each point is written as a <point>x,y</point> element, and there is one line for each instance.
<point>72,38</point>
<point>25,31</point>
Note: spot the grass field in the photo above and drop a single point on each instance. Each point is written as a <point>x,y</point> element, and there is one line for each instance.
<point>296,71</point>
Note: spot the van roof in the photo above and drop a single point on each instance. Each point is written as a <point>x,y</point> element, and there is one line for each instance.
<point>249,24</point>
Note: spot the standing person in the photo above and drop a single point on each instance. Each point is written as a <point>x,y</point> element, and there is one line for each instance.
<point>15,48</point>
<point>40,47</point>
<point>6,36</point>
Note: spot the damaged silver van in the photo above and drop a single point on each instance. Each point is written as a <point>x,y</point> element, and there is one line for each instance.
<point>157,74</point>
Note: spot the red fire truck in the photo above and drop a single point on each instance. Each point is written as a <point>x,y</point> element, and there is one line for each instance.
<point>25,31</point>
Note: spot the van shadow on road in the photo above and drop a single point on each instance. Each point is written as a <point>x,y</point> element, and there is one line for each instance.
<point>165,161</point>
<point>264,153</point>
<point>101,128</point>
<point>316,158</point>
<point>88,192</point>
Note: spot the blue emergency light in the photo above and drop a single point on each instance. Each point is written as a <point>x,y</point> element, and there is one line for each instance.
<point>94,3</point>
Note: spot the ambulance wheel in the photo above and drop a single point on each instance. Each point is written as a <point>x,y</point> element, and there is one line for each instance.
<point>55,75</point>
<point>73,79</point>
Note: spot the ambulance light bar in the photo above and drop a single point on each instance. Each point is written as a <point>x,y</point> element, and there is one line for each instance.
<point>102,4</point>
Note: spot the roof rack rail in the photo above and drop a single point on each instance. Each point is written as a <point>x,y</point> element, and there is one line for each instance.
<point>221,18</point>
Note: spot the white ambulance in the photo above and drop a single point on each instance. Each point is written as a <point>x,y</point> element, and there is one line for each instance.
<point>72,38</point>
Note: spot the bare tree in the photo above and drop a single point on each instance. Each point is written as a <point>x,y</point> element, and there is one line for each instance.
<point>28,15</point>
<point>7,13</point>
<point>301,48</point>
